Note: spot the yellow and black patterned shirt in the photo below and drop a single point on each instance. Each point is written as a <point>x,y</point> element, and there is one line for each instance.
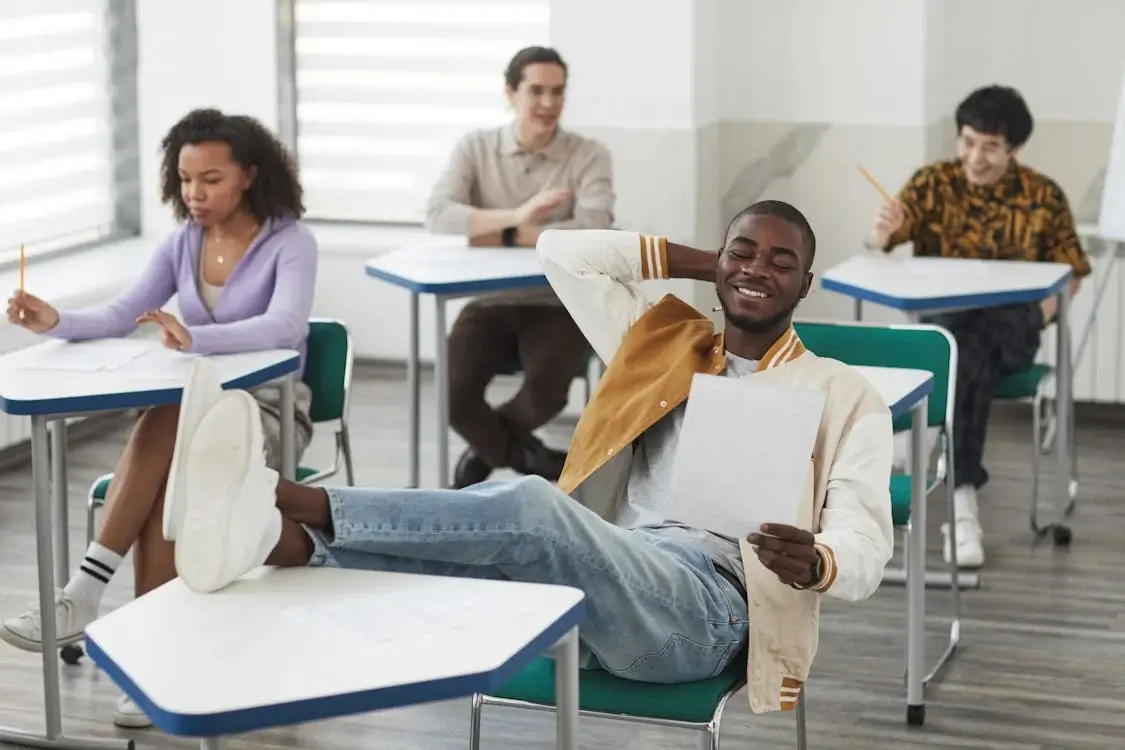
<point>1023,216</point>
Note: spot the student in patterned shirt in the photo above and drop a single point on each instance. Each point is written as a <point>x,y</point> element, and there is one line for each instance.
<point>984,204</point>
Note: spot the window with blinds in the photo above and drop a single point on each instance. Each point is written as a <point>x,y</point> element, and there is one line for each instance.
<point>384,88</point>
<point>61,157</point>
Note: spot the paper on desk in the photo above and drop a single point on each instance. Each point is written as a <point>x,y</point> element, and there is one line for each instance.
<point>743,455</point>
<point>105,355</point>
<point>926,266</point>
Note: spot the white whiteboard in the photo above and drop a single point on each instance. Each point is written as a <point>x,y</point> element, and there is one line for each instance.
<point>1111,218</point>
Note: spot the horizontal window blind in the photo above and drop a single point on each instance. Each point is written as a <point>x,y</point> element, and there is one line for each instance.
<point>385,88</point>
<point>57,163</point>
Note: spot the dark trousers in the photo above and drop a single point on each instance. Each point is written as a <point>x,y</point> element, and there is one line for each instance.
<point>991,343</point>
<point>486,341</point>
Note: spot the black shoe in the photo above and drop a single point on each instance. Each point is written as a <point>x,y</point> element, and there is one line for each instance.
<point>542,461</point>
<point>471,469</point>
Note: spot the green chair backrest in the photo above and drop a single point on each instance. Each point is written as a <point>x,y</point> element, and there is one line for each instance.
<point>918,347</point>
<point>328,369</point>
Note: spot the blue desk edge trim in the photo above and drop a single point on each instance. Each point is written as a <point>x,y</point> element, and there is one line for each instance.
<point>137,399</point>
<point>460,287</point>
<point>923,304</point>
<point>907,403</point>
<point>299,712</point>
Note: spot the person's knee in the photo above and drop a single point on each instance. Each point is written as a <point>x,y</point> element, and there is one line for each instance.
<point>159,420</point>
<point>537,502</point>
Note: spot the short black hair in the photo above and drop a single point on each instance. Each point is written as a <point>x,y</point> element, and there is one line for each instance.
<point>275,192</point>
<point>785,212</point>
<point>513,75</point>
<point>996,110</point>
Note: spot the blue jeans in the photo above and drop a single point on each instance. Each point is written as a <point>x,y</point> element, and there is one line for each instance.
<point>657,611</point>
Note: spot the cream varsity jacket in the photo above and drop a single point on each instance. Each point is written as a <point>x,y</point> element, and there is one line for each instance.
<point>652,351</point>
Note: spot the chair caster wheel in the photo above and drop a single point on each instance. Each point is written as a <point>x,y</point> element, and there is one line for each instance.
<point>1062,536</point>
<point>916,715</point>
<point>71,654</point>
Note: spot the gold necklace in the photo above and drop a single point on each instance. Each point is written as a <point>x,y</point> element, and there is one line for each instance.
<point>220,258</point>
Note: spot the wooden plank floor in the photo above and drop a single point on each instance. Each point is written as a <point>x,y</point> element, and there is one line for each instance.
<point>1040,667</point>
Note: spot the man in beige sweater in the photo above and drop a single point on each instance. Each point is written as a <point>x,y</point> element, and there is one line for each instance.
<point>664,602</point>
<point>502,187</point>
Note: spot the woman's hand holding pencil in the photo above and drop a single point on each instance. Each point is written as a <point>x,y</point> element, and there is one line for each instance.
<point>32,313</point>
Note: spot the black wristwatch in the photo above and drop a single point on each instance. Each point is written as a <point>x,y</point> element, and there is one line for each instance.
<point>508,237</point>
<point>815,574</point>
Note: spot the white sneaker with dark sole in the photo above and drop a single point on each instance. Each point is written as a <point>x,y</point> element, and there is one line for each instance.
<point>224,498</point>
<point>202,390</point>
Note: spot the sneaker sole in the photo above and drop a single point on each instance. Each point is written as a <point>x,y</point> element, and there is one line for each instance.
<point>203,386</point>
<point>218,462</point>
<point>25,644</point>
<point>132,721</point>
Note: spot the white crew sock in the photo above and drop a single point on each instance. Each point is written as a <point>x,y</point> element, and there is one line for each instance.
<point>88,583</point>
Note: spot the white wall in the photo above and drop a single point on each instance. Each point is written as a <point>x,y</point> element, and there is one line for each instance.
<point>854,62</point>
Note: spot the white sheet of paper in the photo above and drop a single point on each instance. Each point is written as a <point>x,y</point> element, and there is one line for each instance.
<point>105,355</point>
<point>743,454</point>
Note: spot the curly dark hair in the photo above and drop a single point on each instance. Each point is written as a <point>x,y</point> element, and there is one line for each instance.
<point>275,191</point>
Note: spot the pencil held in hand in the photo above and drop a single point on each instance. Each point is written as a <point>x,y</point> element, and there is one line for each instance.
<point>875,184</point>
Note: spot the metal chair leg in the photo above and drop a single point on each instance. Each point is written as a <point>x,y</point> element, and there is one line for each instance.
<point>1036,456</point>
<point>802,738</point>
<point>474,722</point>
<point>344,442</point>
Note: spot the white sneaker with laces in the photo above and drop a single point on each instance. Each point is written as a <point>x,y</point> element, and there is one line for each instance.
<point>129,715</point>
<point>203,388</point>
<point>26,631</point>
<point>225,497</point>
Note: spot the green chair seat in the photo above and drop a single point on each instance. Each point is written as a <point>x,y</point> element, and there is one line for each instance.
<point>101,486</point>
<point>600,691</point>
<point>900,497</point>
<point>1023,384</point>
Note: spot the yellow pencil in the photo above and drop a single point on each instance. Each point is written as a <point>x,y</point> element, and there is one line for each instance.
<point>875,183</point>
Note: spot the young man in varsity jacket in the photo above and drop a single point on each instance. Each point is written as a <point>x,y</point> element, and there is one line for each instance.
<point>665,603</point>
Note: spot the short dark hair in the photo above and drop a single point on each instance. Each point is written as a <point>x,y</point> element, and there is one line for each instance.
<point>275,192</point>
<point>996,110</point>
<point>530,56</point>
<point>788,214</point>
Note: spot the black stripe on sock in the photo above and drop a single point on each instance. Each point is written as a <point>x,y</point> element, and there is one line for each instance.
<point>96,574</point>
<point>98,564</point>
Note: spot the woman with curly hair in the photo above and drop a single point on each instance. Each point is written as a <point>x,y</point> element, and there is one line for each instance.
<point>244,269</point>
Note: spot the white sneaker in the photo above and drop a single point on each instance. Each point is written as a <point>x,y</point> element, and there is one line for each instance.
<point>203,388</point>
<point>226,497</point>
<point>970,545</point>
<point>26,631</point>
<point>129,715</point>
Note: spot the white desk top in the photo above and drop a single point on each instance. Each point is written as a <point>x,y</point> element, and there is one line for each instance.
<point>933,284</point>
<point>458,269</point>
<point>45,379</point>
<point>285,646</point>
<point>900,389</point>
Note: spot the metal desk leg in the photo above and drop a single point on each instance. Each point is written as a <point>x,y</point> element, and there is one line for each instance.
<point>289,427</point>
<point>41,476</point>
<point>566,691</point>
<point>59,502</point>
<point>916,571</point>
<point>414,380</point>
<point>1064,404</point>
<point>441,383</point>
